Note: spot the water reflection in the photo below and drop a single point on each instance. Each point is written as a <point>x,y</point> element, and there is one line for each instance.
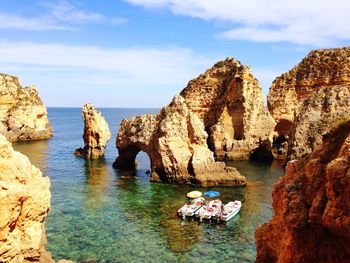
<point>36,151</point>
<point>97,183</point>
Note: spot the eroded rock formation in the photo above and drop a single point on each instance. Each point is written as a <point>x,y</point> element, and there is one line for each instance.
<point>23,116</point>
<point>24,204</point>
<point>229,101</point>
<point>176,143</point>
<point>222,111</point>
<point>310,98</point>
<point>312,207</point>
<point>96,133</point>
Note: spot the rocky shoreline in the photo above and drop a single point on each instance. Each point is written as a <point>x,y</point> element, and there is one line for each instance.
<point>220,115</point>
<point>24,204</point>
<point>311,219</point>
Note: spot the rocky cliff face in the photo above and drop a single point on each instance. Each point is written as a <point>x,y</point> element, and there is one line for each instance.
<point>23,116</point>
<point>311,98</point>
<point>24,204</point>
<point>229,101</point>
<point>176,142</point>
<point>96,133</point>
<point>312,207</point>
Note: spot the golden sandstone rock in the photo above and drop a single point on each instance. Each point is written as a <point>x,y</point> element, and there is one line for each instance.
<point>221,111</point>
<point>229,101</point>
<point>24,204</point>
<point>310,99</point>
<point>96,133</point>
<point>23,116</point>
<point>311,104</point>
<point>176,143</point>
<point>311,222</point>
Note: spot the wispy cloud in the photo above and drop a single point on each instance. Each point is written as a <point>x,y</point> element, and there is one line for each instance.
<point>138,76</point>
<point>8,21</point>
<point>60,15</point>
<point>313,22</point>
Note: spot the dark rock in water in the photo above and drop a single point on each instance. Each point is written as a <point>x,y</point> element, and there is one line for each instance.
<point>263,153</point>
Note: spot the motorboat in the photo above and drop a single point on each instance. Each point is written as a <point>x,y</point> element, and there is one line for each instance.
<point>230,210</point>
<point>191,208</point>
<point>209,211</point>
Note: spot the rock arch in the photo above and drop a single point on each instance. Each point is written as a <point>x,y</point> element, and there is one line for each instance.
<point>176,143</point>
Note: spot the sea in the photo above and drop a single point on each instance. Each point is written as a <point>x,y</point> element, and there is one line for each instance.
<point>99,214</point>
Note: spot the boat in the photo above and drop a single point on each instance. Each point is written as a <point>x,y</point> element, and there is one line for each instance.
<point>192,208</point>
<point>230,210</point>
<point>209,211</point>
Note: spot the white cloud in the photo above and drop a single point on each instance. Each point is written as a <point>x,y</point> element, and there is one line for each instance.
<point>66,11</point>
<point>61,15</point>
<point>313,22</point>
<point>8,21</point>
<point>109,77</point>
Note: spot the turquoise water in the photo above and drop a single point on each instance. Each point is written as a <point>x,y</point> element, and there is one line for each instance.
<point>103,215</point>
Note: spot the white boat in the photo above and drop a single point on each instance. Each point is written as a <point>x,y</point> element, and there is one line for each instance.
<point>191,209</point>
<point>230,210</point>
<point>209,211</point>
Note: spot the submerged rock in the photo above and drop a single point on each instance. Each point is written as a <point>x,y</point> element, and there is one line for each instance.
<point>23,116</point>
<point>176,143</point>
<point>229,101</point>
<point>96,133</point>
<point>24,204</point>
<point>311,203</point>
<point>311,98</point>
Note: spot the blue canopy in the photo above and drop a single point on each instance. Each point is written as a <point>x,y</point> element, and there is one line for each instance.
<point>211,194</point>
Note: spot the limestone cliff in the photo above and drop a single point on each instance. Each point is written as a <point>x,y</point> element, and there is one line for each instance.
<point>176,143</point>
<point>229,101</point>
<point>311,98</point>
<point>312,207</point>
<point>96,133</point>
<point>23,116</point>
<point>24,204</point>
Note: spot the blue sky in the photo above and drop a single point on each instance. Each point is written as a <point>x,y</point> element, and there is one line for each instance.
<point>140,53</point>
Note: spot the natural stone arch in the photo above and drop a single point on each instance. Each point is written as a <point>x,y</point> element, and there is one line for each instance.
<point>127,158</point>
<point>176,143</point>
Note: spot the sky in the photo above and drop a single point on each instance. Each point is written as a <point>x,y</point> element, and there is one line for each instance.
<point>140,53</point>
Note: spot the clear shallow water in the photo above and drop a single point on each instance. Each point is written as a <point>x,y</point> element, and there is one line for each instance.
<point>102,215</point>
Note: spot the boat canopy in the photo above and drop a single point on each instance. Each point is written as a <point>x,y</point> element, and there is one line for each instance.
<point>211,194</point>
<point>194,194</point>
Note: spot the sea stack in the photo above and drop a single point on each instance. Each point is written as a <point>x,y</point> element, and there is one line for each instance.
<point>23,116</point>
<point>96,134</point>
<point>310,99</point>
<point>24,204</point>
<point>311,203</point>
